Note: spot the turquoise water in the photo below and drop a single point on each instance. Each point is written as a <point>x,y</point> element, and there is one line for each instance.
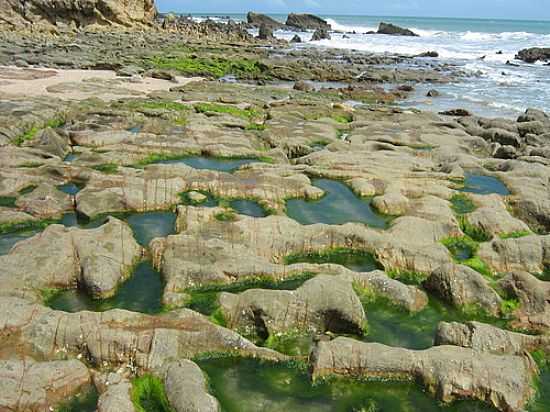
<point>339,205</point>
<point>70,188</point>
<point>142,292</point>
<point>8,240</point>
<point>149,225</point>
<point>211,163</point>
<point>248,208</point>
<point>484,185</point>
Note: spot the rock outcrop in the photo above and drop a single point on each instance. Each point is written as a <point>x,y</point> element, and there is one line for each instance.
<point>306,22</point>
<point>324,303</point>
<point>463,287</point>
<point>534,54</point>
<point>448,372</point>
<point>257,20</point>
<point>393,30</point>
<point>187,388</point>
<point>487,338</point>
<point>320,34</point>
<point>53,15</point>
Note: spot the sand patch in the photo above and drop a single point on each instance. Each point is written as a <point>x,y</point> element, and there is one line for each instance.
<point>79,84</point>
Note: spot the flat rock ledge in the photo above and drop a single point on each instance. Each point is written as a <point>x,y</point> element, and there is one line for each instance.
<point>448,372</point>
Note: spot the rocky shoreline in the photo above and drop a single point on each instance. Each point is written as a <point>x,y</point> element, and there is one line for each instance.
<point>288,209</point>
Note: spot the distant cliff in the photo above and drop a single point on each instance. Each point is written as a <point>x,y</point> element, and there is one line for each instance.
<point>54,15</point>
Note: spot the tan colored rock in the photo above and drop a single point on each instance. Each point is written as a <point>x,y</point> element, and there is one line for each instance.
<point>448,372</point>
<point>38,386</point>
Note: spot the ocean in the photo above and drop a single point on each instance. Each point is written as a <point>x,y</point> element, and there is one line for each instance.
<point>493,88</point>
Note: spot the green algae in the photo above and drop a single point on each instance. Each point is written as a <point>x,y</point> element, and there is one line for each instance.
<point>86,401</point>
<point>356,260</point>
<point>7,201</point>
<point>142,292</point>
<point>464,251</point>
<point>462,204</point>
<point>515,235</point>
<point>149,395</point>
<point>205,299</point>
<point>107,168</point>
<point>215,67</point>
<point>248,385</point>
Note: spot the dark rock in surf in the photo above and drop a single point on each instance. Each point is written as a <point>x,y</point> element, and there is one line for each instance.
<point>432,54</point>
<point>393,30</point>
<point>433,93</point>
<point>296,39</point>
<point>266,33</point>
<point>320,34</point>
<point>258,20</point>
<point>456,112</point>
<point>306,22</point>
<point>534,54</point>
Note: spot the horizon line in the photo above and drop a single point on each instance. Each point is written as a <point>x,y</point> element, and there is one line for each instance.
<point>220,13</point>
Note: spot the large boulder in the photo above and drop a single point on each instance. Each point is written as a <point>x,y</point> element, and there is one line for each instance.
<point>393,30</point>
<point>54,14</point>
<point>258,20</point>
<point>306,22</point>
<point>265,33</point>
<point>448,372</point>
<point>462,287</point>
<point>534,54</point>
<point>324,303</point>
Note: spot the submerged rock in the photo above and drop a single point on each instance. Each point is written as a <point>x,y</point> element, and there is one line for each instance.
<point>448,372</point>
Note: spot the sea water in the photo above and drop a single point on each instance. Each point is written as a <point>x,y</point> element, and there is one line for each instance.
<point>478,47</point>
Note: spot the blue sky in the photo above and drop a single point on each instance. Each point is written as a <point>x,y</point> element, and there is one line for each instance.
<point>513,9</point>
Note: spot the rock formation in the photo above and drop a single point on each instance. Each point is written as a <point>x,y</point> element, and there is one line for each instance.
<point>306,22</point>
<point>393,30</point>
<point>55,15</point>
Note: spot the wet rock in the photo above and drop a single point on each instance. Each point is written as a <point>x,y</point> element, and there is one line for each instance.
<point>162,75</point>
<point>187,388</point>
<point>257,20</point>
<point>306,22</point>
<point>39,386</point>
<point>456,112</point>
<point>296,39</point>
<point>533,127</point>
<point>534,296</point>
<point>505,152</point>
<point>433,93</point>
<point>393,30</point>
<point>324,303</point>
<point>432,54</point>
<point>463,287</point>
<point>265,33</point>
<point>448,372</point>
<point>482,337</point>
<point>534,54</point>
<point>303,86</point>
<point>320,34</point>
<point>503,137</point>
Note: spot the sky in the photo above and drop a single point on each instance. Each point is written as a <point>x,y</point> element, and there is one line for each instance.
<point>502,9</point>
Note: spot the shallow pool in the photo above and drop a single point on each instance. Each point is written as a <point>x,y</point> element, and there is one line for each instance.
<point>339,205</point>
<point>142,292</point>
